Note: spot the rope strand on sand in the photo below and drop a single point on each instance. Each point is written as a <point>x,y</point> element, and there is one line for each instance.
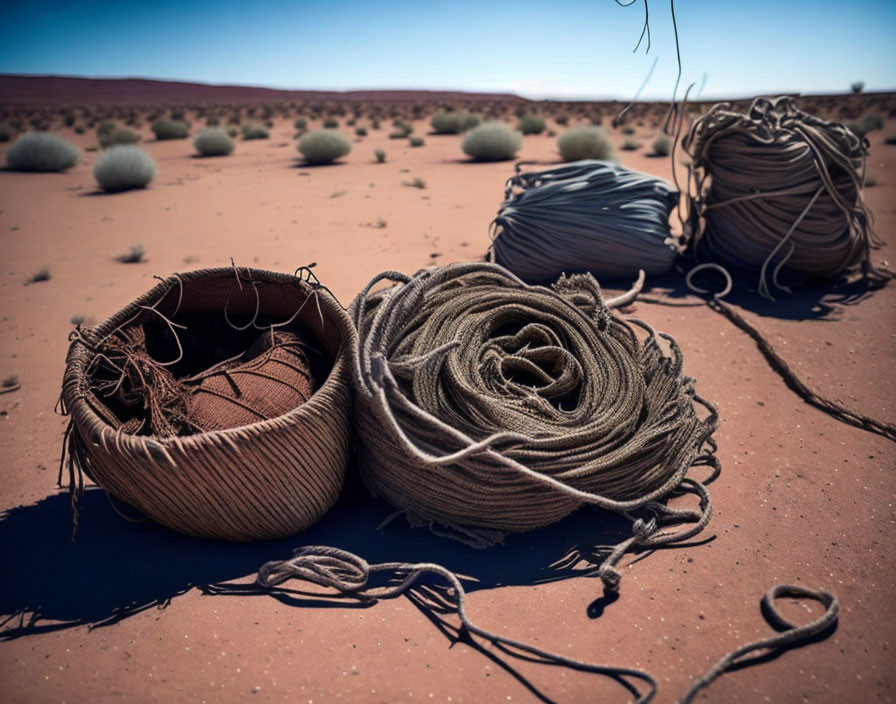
<point>779,366</point>
<point>349,575</point>
<point>791,635</point>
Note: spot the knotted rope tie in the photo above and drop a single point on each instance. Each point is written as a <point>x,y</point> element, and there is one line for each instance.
<point>792,635</point>
<point>487,406</point>
<point>778,186</point>
<point>349,574</point>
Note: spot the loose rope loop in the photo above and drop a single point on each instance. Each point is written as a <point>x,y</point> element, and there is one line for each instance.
<point>792,635</point>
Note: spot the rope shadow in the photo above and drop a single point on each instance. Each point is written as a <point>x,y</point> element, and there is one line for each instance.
<point>809,300</point>
<point>115,569</point>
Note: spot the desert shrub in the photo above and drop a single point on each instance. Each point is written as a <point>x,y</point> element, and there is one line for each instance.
<point>453,122</point>
<point>213,141</point>
<point>580,143</point>
<point>42,274</point>
<point>870,180</point>
<point>133,256</point>
<point>331,123</point>
<point>324,147</point>
<point>492,141</point>
<point>361,131</point>
<point>532,124</point>
<point>122,168</point>
<point>629,145</point>
<point>890,140</point>
<point>662,146</point>
<point>116,135</point>
<point>416,141</point>
<point>402,130</point>
<point>40,151</point>
<point>254,130</point>
<point>375,124</point>
<point>380,156</point>
<point>562,120</point>
<point>212,121</point>
<point>628,131</point>
<point>866,124</point>
<point>7,132</point>
<point>170,129</point>
<point>231,130</point>
<point>79,129</point>
<point>857,87</point>
<point>300,123</point>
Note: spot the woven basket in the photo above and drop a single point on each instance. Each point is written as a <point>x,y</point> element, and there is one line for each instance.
<point>271,479</point>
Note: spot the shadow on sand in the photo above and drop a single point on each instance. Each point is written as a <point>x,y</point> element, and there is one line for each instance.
<point>114,569</point>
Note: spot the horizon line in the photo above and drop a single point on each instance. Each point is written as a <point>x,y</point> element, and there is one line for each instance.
<point>531,97</point>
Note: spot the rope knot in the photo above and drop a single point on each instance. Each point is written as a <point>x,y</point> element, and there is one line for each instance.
<point>324,566</point>
<point>642,530</point>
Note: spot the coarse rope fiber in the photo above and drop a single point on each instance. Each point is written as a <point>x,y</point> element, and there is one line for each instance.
<point>485,406</point>
<point>594,216</point>
<point>269,479</point>
<point>349,575</point>
<point>777,187</point>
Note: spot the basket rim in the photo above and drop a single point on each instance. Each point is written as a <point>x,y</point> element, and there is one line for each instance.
<point>85,417</point>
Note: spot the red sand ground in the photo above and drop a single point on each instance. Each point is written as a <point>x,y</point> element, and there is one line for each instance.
<point>802,498</point>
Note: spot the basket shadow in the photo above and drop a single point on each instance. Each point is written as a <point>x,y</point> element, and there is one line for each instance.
<point>114,569</point>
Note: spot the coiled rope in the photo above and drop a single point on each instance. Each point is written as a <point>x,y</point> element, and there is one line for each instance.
<point>777,187</point>
<point>488,406</point>
<point>590,215</point>
<point>349,575</point>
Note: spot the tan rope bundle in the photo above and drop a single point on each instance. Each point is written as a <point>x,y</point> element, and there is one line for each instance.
<point>487,406</point>
<point>265,480</point>
<point>777,187</point>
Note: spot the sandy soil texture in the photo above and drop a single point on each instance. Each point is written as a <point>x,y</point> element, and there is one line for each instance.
<point>126,612</point>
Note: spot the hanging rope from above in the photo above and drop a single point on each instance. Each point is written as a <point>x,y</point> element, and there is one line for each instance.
<point>589,215</point>
<point>487,406</point>
<point>774,188</point>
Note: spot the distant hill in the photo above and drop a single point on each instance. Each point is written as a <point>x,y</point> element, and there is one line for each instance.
<point>56,90</point>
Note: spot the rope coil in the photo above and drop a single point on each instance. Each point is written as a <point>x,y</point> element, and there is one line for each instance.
<point>488,406</point>
<point>591,215</point>
<point>777,187</point>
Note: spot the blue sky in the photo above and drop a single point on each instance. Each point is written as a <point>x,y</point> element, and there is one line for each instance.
<point>544,48</point>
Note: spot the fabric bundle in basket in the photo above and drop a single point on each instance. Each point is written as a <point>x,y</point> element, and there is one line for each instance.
<point>594,216</point>
<point>486,406</point>
<point>165,417</point>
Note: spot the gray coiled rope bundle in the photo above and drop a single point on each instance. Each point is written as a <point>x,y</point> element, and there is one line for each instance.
<point>777,187</point>
<point>590,215</point>
<point>488,406</point>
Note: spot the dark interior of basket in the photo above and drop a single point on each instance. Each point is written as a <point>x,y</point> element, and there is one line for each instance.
<point>215,319</point>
